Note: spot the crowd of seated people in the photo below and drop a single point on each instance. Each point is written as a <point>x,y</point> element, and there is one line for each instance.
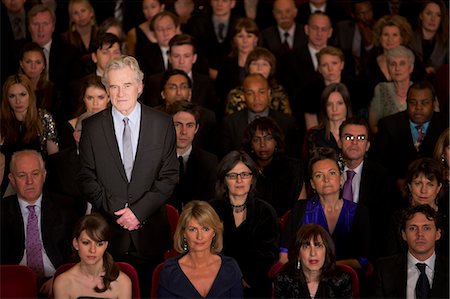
<point>285,113</point>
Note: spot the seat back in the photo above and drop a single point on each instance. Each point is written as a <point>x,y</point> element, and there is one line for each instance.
<point>354,276</point>
<point>155,280</point>
<point>172,215</point>
<point>124,267</point>
<point>17,281</point>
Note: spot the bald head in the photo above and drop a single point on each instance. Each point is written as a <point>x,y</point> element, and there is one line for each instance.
<point>285,12</point>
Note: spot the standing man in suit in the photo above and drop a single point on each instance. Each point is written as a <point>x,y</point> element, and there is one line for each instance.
<point>129,169</point>
<point>197,166</point>
<point>421,272</point>
<point>368,182</point>
<point>36,227</point>
<point>408,135</point>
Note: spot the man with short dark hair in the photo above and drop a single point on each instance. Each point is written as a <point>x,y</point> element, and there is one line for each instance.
<point>421,272</point>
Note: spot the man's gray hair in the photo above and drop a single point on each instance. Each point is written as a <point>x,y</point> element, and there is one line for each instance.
<point>19,154</point>
<point>120,63</point>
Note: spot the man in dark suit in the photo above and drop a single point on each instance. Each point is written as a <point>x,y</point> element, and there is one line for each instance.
<point>257,95</point>
<point>129,169</point>
<point>53,214</point>
<point>333,10</point>
<point>183,56</point>
<point>197,166</point>
<point>421,272</point>
<point>371,184</point>
<point>408,135</point>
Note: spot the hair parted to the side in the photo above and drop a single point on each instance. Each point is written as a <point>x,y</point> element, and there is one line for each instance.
<point>121,63</point>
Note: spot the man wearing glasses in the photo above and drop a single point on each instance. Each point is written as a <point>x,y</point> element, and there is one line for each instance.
<point>366,182</point>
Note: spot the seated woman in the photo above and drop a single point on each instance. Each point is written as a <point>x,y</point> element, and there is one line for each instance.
<point>250,224</point>
<point>311,270</point>
<point>346,221</point>
<point>96,274</point>
<point>260,61</point>
<point>201,270</point>
<point>94,99</point>
<point>281,182</point>
<point>335,108</point>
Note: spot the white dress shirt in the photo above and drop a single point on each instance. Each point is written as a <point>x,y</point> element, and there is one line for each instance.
<point>413,273</point>
<point>134,121</point>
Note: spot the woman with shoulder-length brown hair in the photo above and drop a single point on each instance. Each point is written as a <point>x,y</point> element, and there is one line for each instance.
<point>201,270</point>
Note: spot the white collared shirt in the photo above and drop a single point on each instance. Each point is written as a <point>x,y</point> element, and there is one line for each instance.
<point>46,49</point>
<point>291,32</point>
<point>49,269</point>
<point>413,273</point>
<point>186,156</point>
<point>165,55</point>
<point>314,9</point>
<point>313,53</point>
<point>134,121</point>
<point>356,182</point>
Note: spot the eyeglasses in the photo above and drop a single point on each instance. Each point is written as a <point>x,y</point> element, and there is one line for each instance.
<point>259,139</point>
<point>234,175</point>
<point>349,137</point>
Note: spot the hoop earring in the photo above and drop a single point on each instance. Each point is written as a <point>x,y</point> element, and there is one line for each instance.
<point>185,245</point>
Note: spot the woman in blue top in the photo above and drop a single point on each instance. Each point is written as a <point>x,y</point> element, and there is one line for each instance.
<point>201,272</point>
<point>344,220</point>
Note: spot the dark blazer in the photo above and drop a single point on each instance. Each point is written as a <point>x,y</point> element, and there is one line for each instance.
<point>394,147</point>
<point>439,55</point>
<point>132,15</point>
<point>64,63</point>
<point>391,276</point>
<point>199,180</point>
<point>102,179</point>
<point>274,42</point>
<point>150,59</point>
<point>334,11</point>
<point>234,125</point>
<point>57,224</point>
<point>264,16</point>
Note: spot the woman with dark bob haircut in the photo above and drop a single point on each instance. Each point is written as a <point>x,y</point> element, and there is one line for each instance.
<point>301,278</point>
<point>96,272</point>
<point>250,224</point>
<point>200,271</point>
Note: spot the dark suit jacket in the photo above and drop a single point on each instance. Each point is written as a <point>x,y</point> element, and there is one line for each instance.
<point>199,180</point>
<point>391,275</point>
<point>234,125</point>
<point>57,224</point>
<point>264,16</point>
<point>334,11</point>
<point>150,59</point>
<point>64,63</point>
<point>102,179</point>
<point>394,146</point>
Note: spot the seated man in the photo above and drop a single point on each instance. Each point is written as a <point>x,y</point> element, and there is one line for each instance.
<point>421,272</point>
<point>197,166</point>
<point>405,136</point>
<point>36,227</point>
<point>257,95</point>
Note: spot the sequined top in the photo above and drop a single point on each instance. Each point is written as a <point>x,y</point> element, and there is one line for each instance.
<point>279,100</point>
<point>49,126</point>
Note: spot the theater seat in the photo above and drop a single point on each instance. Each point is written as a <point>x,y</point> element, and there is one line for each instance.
<point>17,281</point>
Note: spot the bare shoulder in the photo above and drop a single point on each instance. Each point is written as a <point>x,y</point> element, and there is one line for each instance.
<point>63,284</point>
<point>122,286</point>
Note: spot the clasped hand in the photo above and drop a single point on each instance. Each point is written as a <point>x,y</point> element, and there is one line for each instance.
<point>127,219</point>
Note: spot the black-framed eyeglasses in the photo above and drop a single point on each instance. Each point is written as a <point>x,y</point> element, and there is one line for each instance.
<point>234,175</point>
<point>350,137</point>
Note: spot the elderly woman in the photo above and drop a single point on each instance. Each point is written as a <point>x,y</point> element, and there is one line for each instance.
<point>281,182</point>
<point>390,31</point>
<point>430,41</point>
<point>344,220</point>
<point>260,61</point>
<point>250,224</point>
<point>311,270</point>
<point>201,271</point>
<point>335,108</point>
<point>96,274</point>
<point>390,97</point>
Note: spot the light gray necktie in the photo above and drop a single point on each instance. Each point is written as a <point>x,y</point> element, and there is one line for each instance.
<point>127,148</point>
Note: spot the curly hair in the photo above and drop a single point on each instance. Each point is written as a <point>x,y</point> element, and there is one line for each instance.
<point>393,20</point>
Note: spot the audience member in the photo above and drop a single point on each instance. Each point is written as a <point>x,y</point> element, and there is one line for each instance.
<point>35,225</point>
<point>82,26</point>
<point>345,221</point>
<point>96,272</point>
<point>389,31</point>
<point>183,56</point>
<point>420,272</point>
<point>281,182</point>
<point>430,40</point>
<point>311,271</point>
<point>245,36</point>
<point>197,166</point>
<point>330,8</point>
<point>212,31</point>
<point>257,95</point>
<point>154,57</point>
<point>250,224</point>
<point>390,97</point>
<point>259,11</point>
<point>142,34</point>
<point>114,26</point>
<point>201,270</point>
<point>335,108</point>
<point>185,9</point>
<point>260,61</point>
<point>406,9</point>
<point>366,182</point>
<point>126,13</point>
<point>405,136</point>
<point>128,175</point>
<point>442,153</point>
<point>177,86</point>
